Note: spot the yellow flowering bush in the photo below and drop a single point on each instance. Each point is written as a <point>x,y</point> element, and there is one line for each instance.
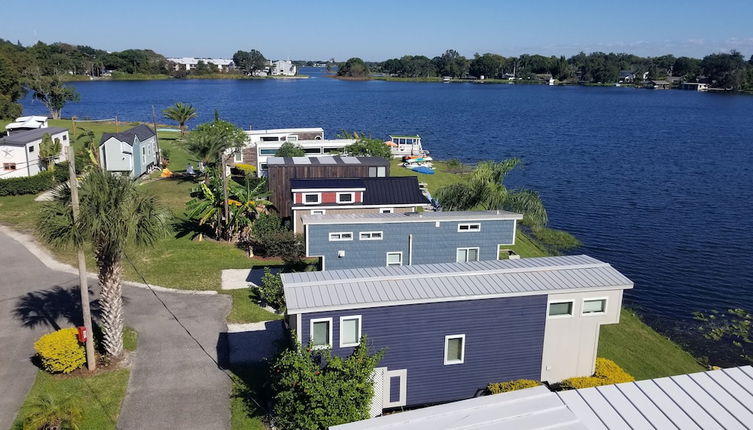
<point>246,168</point>
<point>60,351</point>
<point>518,384</point>
<point>607,372</point>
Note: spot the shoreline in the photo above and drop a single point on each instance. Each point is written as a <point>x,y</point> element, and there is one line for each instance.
<point>159,77</point>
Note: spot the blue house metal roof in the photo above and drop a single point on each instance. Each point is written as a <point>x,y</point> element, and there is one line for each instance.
<point>718,399</point>
<point>398,285</point>
<point>426,216</point>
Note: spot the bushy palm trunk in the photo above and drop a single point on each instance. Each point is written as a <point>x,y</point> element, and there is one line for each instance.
<point>110,274</point>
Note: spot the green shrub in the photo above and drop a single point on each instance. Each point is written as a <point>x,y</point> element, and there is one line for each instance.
<point>518,384</point>
<point>607,372</point>
<point>42,181</point>
<point>286,245</point>
<point>556,240</point>
<point>314,390</point>
<point>271,290</point>
<point>289,149</point>
<point>60,351</point>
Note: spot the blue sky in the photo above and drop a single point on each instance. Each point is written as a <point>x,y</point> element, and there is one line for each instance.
<point>386,28</point>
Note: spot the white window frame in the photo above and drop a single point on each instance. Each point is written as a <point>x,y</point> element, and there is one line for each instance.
<point>462,349</point>
<point>360,330</point>
<point>469,228</point>
<point>478,254</point>
<point>352,197</point>
<point>386,210</point>
<point>329,334</point>
<point>572,308</point>
<point>293,138</point>
<point>238,156</point>
<point>593,299</point>
<point>318,212</point>
<point>340,239</point>
<point>370,235</point>
<point>318,198</point>
<point>387,261</point>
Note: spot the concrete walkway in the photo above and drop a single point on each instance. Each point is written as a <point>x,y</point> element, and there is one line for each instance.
<point>174,381</point>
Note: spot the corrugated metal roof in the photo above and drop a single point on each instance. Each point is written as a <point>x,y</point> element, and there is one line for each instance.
<point>20,138</point>
<point>410,217</point>
<point>142,131</point>
<point>329,160</point>
<point>534,408</point>
<point>396,285</point>
<point>325,183</point>
<point>388,190</point>
<point>718,399</point>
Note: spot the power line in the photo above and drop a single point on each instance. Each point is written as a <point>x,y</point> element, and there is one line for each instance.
<point>186,329</point>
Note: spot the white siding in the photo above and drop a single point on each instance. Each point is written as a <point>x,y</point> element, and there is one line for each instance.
<point>115,156</point>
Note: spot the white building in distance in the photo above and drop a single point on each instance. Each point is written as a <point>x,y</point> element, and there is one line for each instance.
<point>190,63</point>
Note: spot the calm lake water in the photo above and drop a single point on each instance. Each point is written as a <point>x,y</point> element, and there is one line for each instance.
<point>658,183</point>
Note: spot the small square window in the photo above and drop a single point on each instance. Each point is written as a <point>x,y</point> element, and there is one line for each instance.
<point>465,255</point>
<point>238,156</point>
<point>557,309</point>
<point>454,349</point>
<point>65,137</point>
<point>31,149</point>
<point>312,199</point>
<point>318,212</point>
<point>350,330</point>
<point>370,235</point>
<point>321,333</point>
<point>9,166</point>
<point>386,210</point>
<point>394,259</point>
<point>596,306</point>
<point>338,236</point>
<point>469,227</point>
<point>345,197</point>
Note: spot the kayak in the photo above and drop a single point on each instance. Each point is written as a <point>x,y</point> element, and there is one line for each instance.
<point>423,169</point>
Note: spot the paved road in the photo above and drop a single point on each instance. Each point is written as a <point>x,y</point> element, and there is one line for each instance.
<point>174,384</point>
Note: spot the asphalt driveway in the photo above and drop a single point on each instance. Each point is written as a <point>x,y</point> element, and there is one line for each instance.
<point>174,382</point>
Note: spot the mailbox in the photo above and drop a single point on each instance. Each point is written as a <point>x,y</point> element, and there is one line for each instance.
<point>82,334</point>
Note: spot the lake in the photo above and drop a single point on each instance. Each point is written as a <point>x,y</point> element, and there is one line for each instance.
<point>658,183</point>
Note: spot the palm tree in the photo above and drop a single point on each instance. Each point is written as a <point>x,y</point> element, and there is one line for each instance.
<point>46,412</point>
<point>181,113</point>
<point>86,139</point>
<point>484,189</point>
<point>114,213</point>
<point>49,150</point>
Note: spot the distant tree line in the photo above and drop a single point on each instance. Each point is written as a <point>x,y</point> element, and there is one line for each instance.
<point>724,70</point>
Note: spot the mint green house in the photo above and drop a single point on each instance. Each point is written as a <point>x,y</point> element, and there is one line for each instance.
<point>132,152</point>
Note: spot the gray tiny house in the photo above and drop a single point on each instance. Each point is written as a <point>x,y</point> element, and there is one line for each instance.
<point>448,330</point>
<point>131,152</point>
<point>349,241</point>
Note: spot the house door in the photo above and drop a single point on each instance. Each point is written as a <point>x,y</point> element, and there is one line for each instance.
<point>395,388</point>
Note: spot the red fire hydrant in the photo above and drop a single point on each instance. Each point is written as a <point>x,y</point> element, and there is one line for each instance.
<point>82,334</point>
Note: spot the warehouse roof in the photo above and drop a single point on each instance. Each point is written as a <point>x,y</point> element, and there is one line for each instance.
<point>718,399</point>
<point>399,285</point>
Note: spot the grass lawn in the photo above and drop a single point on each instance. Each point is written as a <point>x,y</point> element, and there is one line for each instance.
<point>641,351</point>
<point>244,413</point>
<point>245,309</point>
<point>99,397</point>
<point>434,182</point>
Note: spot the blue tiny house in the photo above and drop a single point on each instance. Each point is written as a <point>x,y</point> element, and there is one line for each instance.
<point>131,152</point>
<point>448,330</point>
<point>350,241</point>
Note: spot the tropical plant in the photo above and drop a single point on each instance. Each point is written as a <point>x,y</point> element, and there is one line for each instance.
<point>210,141</point>
<point>49,150</point>
<point>181,113</point>
<point>289,149</point>
<point>50,91</point>
<point>364,146</point>
<point>245,204</point>
<point>314,390</point>
<point>484,189</point>
<point>88,143</point>
<point>114,213</point>
<point>47,412</point>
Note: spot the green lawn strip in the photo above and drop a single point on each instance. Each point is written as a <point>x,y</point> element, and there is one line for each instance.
<point>19,212</point>
<point>246,308</point>
<point>643,352</point>
<point>440,178</point>
<point>130,339</point>
<point>248,384</point>
<point>99,397</point>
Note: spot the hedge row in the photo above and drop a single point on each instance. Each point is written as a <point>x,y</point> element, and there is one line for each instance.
<point>42,181</point>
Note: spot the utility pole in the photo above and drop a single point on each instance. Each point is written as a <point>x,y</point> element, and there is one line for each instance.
<point>91,361</point>
<point>224,192</point>
<point>156,137</point>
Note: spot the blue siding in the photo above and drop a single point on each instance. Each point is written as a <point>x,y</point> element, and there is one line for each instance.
<point>504,341</point>
<point>431,244</point>
<point>136,159</point>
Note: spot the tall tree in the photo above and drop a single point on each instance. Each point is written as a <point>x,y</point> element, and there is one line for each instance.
<point>49,150</point>
<point>114,213</point>
<point>249,62</point>
<point>181,113</point>
<point>484,189</point>
<point>51,92</point>
<point>11,89</point>
<point>353,68</point>
<point>487,65</point>
<point>211,140</point>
